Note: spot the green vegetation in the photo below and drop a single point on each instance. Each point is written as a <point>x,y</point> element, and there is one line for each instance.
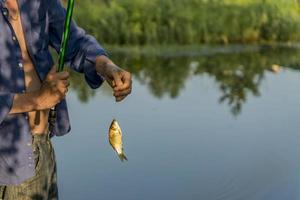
<point>148,22</point>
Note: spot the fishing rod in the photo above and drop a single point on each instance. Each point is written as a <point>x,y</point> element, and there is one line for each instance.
<point>62,55</point>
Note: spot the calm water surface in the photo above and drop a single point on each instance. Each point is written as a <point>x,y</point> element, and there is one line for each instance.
<point>218,126</point>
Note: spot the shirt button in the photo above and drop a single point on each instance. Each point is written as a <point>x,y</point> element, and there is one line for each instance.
<point>14,38</point>
<point>29,144</point>
<point>23,91</point>
<point>20,65</point>
<point>30,165</point>
<point>26,117</point>
<point>29,158</point>
<point>4,13</point>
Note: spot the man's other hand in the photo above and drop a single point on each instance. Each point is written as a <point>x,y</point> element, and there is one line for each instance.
<point>119,79</point>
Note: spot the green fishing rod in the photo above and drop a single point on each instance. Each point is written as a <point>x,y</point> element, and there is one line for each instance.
<point>62,55</point>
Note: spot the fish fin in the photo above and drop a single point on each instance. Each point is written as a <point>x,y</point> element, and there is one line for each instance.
<point>122,157</point>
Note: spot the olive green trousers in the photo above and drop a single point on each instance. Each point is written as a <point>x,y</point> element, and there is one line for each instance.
<point>43,186</point>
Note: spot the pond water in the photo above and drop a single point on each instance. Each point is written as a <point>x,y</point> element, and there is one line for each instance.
<point>198,126</point>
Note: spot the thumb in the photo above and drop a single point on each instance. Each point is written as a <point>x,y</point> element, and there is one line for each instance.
<point>51,73</point>
<point>117,81</point>
<point>53,69</point>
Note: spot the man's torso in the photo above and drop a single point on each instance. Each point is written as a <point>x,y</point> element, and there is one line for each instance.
<point>38,120</point>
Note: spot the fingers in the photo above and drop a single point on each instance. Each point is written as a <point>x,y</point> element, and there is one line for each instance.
<point>66,83</point>
<point>117,81</point>
<point>62,75</point>
<point>122,84</point>
<point>59,82</point>
<point>125,83</point>
<point>118,99</point>
<point>50,75</point>
<point>124,90</point>
<point>127,80</point>
<point>121,97</point>
<point>62,86</point>
<point>53,69</point>
<point>54,76</point>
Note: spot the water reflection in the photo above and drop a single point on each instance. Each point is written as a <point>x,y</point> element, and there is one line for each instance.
<point>238,74</point>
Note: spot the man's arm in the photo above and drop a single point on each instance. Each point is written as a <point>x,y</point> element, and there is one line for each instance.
<point>53,90</point>
<point>26,102</point>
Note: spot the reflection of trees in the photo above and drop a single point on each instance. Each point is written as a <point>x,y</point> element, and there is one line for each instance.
<point>236,87</point>
<point>162,75</point>
<point>238,75</point>
<point>167,76</point>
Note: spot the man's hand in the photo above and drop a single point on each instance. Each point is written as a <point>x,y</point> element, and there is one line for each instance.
<point>119,79</point>
<point>54,89</point>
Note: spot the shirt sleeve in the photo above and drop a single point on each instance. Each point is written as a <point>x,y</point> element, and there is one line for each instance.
<point>6,102</point>
<point>82,48</point>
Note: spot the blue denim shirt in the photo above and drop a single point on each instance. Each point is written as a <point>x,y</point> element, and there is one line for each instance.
<point>42,22</point>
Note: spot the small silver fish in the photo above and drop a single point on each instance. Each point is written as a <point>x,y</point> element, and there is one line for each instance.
<point>115,139</point>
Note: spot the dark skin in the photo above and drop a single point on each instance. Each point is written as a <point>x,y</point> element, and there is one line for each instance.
<point>119,79</point>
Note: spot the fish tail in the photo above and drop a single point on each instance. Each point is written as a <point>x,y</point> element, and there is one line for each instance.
<point>122,157</point>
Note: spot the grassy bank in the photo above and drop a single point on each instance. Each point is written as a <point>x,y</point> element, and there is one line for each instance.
<point>143,22</point>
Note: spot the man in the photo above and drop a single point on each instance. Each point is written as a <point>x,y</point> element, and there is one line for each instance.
<point>30,86</point>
